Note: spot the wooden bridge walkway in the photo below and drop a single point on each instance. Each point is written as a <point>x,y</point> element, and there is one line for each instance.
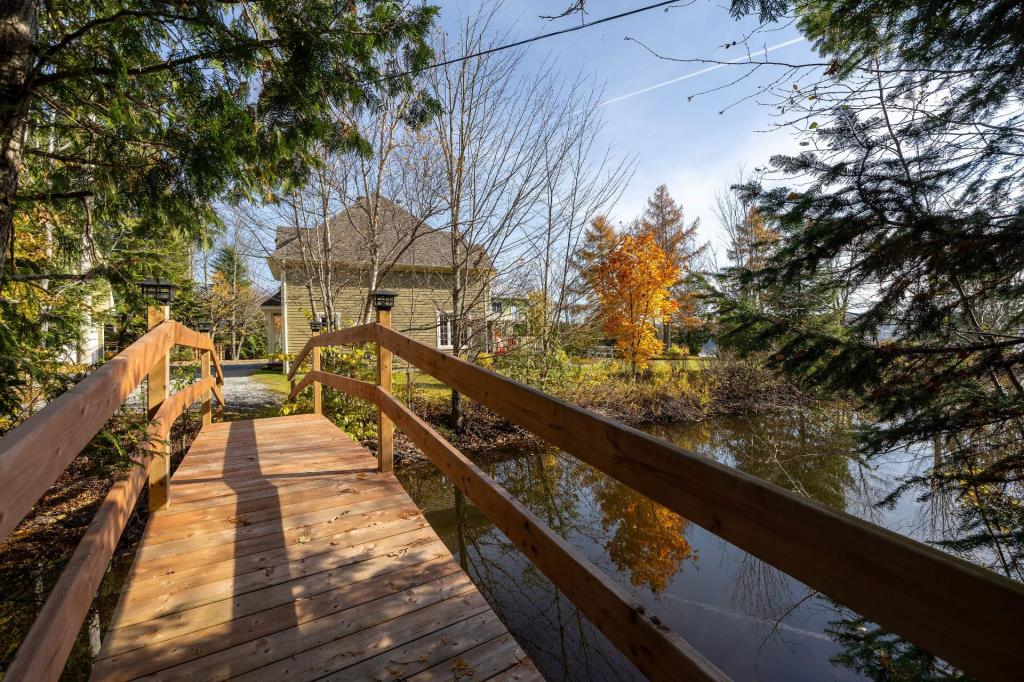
<point>286,555</point>
<point>281,550</point>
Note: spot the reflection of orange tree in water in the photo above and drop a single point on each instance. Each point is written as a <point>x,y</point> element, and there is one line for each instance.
<point>648,540</point>
<point>556,635</point>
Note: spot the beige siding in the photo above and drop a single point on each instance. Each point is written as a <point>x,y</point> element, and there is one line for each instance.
<point>420,296</point>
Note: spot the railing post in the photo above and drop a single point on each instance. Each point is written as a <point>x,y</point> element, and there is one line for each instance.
<point>385,429</point>
<point>318,407</point>
<point>158,384</point>
<point>207,408</point>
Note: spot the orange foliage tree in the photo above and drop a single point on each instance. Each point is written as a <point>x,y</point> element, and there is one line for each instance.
<point>632,283</point>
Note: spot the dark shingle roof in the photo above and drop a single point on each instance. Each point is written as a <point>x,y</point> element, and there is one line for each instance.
<point>349,233</point>
<point>272,301</point>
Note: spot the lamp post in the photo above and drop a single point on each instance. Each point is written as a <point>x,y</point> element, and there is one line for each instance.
<point>158,289</point>
<point>384,301</point>
<point>157,383</point>
<point>316,326</point>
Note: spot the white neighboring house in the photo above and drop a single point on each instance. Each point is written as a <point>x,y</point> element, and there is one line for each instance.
<point>89,349</point>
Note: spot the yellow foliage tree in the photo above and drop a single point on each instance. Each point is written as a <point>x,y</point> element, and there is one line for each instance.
<point>632,283</point>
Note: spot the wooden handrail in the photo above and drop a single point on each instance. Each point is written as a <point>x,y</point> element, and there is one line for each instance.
<point>34,454</point>
<point>656,651</point>
<point>44,650</point>
<point>363,333</point>
<point>957,610</point>
<point>190,338</point>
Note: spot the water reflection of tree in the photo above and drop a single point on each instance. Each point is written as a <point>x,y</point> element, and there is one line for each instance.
<point>559,639</point>
<point>647,540</point>
<point>806,451</point>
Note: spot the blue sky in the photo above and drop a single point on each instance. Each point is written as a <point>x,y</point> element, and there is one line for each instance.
<point>687,145</point>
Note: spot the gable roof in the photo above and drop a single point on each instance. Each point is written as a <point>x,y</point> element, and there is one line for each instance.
<point>272,301</point>
<point>349,229</point>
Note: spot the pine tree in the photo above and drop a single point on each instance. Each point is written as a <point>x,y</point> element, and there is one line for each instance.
<point>598,241</point>
<point>912,202</point>
<point>665,221</point>
<point>231,266</point>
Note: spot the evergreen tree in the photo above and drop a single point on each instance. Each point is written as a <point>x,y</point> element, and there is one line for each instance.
<point>152,110</point>
<point>665,221</point>
<point>231,266</point>
<point>912,201</point>
<point>598,241</point>
<point>123,123</point>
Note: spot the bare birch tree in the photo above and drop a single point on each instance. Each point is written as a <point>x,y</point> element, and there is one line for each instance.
<point>580,181</point>
<point>344,216</point>
<point>490,135</point>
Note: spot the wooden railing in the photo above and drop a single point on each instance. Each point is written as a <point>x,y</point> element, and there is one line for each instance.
<point>34,454</point>
<point>963,613</point>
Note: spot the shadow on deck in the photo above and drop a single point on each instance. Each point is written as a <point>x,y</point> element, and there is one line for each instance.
<point>286,555</point>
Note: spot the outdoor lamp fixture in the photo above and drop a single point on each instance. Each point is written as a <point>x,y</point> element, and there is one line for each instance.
<point>315,325</point>
<point>159,289</point>
<point>384,299</point>
<point>204,326</point>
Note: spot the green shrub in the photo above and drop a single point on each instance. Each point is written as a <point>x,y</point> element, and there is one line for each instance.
<point>353,416</point>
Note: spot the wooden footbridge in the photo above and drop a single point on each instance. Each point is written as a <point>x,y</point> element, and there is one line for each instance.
<point>280,549</point>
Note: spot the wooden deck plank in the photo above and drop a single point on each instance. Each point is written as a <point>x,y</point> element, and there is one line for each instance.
<point>366,541</point>
<point>328,529</point>
<point>284,553</point>
<point>219,644</point>
<point>423,653</point>
<point>342,652</point>
<point>524,672</point>
<point>487,659</point>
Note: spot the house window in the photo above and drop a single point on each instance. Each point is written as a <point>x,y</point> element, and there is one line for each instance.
<point>444,330</point>
<point>496,307</point>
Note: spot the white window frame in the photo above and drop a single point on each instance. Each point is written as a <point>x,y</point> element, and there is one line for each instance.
<point>448,324</point>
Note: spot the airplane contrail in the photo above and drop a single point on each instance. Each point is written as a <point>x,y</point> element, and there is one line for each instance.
<point>700,72</point>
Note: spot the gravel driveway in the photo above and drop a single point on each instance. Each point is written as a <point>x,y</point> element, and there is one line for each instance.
<point>243,393</point>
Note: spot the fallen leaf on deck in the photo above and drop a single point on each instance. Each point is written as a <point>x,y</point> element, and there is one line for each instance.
<point>460,668</point>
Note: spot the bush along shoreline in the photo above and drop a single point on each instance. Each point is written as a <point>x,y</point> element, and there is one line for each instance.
<point>722,387</point>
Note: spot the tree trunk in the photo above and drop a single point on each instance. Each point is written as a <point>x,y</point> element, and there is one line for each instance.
<point>17,39</point>
<point>458,415</point>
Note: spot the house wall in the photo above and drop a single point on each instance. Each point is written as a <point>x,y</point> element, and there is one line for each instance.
<point>420,296</point>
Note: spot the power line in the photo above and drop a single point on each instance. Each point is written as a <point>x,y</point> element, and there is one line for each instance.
<point>534,39</point>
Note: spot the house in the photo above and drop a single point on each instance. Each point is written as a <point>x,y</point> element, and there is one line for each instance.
<point>419,270</point>
<point>94,335</point>
<point>507,322</point>
<point>271,307</point>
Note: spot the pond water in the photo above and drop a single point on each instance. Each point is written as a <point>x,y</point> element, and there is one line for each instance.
<point>751,620</point>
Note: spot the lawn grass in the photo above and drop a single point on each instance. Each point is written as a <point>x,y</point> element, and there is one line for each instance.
<point>275,381</point>
<point>599,370</point>
<point>424,386</point>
